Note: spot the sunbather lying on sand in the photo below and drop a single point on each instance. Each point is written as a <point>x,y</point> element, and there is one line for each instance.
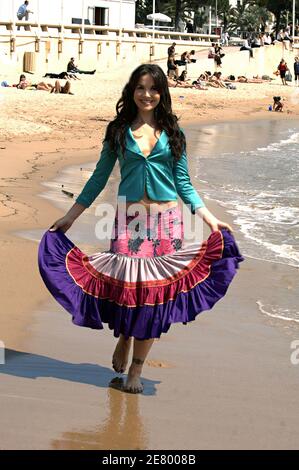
<point>62,76</point>
<point>243,79</point>
<point>177,84</point>
<point>216,81</point>
<point>66,89</point>
<point>24,83</point>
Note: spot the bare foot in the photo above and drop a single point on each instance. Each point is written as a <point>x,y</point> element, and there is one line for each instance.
<point>117,383</point>
<point>133,383</point>
<point>121,354</point>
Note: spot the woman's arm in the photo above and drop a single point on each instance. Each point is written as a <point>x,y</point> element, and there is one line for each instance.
<point>191,197</point>
<point>212,221</point>
<point>99,177</point>
<point>67,221</point>
<point>184,186</point>
<point>91,190</point>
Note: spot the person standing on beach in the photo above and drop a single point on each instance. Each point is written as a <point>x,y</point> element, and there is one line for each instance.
<point>171,49</point>
<point>282,68</point>
<point>225,38</point>
<point>172,67</point>
<point>211,52</point>
<point>218,55</point>
<point>149,279</point>
<point>296,71</point>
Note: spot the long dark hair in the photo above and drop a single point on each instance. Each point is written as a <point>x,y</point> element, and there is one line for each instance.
<point>126,112</point>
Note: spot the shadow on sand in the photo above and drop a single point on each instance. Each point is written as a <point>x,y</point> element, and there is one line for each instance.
<point>32,366</point>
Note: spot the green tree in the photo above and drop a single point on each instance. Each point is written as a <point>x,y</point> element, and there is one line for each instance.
<point>277,7</point>
<point>200,18</point>
<point>180,10</point>
<point>226,13</point>
<point>250,17</point>
<point>145,7</point>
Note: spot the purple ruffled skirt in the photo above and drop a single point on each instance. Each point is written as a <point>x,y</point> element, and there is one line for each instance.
<point>144,283</point>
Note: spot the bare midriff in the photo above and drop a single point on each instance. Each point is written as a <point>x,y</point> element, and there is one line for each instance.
<point>151,205</point>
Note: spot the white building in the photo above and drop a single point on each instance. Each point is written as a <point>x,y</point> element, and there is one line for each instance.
<point>235,3</point>
<point>112,13</point>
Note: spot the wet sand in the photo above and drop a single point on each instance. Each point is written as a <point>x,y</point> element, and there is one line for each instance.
<point>227,383</point>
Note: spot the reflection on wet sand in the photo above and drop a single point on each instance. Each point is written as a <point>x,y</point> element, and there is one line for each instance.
<point>122,429</point>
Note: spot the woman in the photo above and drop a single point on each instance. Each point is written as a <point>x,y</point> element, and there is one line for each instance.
<point>267,39</point>
<point>148,281</point>
<point>215,81</point>
<point>66,89</point>
<point>282,69</point>
<point>211,52</point>
<point>287,40</point>
<point>183,77</point>
<point>218,55</point>
<point>255,43</point>
<point>24,83</point>
<point>190,57</point>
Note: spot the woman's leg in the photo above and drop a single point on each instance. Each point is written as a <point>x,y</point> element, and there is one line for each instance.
<point>140,352</point>
<point>67,88</point>
<point>43,86</point>
<point>57,87</point>
<point>121,354</point>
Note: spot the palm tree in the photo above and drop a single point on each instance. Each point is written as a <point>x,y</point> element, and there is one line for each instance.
<point>225,13</point>
<point>277,7</point>
<point>179,9</point>
<point>200,18</point>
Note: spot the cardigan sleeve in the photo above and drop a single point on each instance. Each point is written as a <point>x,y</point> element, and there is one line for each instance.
<point>184,186</point>
<point>99,177</point>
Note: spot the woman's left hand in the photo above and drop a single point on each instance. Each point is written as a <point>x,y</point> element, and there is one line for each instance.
<point>212,221</point>
<point>216,224</point>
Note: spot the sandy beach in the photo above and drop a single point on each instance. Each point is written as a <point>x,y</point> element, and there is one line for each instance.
<point>233,364</point>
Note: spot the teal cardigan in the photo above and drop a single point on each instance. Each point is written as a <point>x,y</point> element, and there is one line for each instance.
<point>159,173</point>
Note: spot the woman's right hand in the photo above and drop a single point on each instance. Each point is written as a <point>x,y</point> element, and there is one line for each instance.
<point>62,224</point>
